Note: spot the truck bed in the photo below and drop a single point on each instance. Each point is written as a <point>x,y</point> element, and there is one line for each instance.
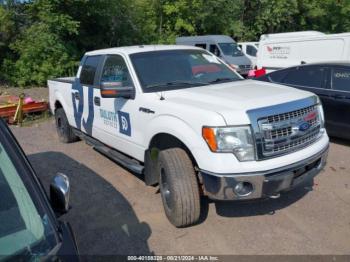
<point>69,79</point>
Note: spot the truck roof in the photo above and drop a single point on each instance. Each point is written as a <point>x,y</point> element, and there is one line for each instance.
<point>291,35</point>
<point>139,49</point>
<point>213,38</point>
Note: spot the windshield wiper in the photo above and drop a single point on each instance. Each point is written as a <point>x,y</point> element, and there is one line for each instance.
<point>223,80</point>
<point>177,83</point>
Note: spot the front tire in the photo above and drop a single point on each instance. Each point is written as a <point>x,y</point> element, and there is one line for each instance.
<point>64,130</point>
<point>179,187</point>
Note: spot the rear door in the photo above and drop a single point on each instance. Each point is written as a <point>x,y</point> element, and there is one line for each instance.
<point>339,105</point>
<point>312,79</point>
<point>83,90</point>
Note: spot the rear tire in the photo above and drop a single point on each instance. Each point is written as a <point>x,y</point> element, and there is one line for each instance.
<point>64,130</point>
<point>179,187</point>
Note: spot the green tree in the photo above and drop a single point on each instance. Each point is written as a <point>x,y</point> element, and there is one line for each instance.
<point>41,51</point>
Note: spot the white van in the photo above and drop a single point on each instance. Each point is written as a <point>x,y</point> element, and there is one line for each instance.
<point>282,50</point>
<point>250,49</point>
<point>222,46</point>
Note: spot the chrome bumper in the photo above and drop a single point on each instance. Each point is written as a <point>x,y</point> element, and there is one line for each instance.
<point>264,184</point>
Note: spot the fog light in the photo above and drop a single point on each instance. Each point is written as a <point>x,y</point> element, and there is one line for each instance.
<point>243,189</point>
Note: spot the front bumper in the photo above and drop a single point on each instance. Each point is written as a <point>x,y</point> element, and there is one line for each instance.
<point>265,183</point>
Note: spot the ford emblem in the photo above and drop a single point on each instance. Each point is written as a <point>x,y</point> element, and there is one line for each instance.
<point>304,126</point>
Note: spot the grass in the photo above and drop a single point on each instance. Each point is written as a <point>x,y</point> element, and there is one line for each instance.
<point>36,118</point>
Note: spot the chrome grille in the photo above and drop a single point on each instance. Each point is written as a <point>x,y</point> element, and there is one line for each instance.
<point>286,132</point>
<point>290,115</point>
<point>244,67</point>
<point>298,142</point>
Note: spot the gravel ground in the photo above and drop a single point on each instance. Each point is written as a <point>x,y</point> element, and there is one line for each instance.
<point>113,212</point>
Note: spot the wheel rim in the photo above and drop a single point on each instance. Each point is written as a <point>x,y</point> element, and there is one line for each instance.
<point>165,188</point>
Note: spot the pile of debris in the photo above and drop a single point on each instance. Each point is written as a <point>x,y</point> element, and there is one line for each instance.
<point>14,108</point>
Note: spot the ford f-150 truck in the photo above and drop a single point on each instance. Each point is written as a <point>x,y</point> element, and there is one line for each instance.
<point>192,125</point>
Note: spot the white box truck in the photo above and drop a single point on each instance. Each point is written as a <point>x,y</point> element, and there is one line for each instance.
<point>282,50</point>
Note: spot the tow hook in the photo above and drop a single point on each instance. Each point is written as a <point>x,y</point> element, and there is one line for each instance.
<point>275,196</point>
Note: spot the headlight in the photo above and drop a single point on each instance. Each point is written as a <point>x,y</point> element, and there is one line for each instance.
<point>233,66</point>
<point>237,140</point>
<point>320,112</point>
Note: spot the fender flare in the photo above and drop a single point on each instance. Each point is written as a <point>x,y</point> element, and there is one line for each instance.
<point>178,128</point>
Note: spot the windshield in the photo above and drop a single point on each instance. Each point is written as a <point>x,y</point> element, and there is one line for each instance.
<point>175,69</point>
<point>23,229</point>
<point>230,49</point>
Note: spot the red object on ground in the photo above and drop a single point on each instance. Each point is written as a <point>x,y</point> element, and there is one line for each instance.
<point>10,111</point>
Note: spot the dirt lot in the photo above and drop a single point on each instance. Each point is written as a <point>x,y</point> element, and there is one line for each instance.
<point>37,93</point>
<point>115,213</point>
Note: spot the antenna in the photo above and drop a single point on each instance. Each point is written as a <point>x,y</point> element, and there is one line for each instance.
<point>161,96</point>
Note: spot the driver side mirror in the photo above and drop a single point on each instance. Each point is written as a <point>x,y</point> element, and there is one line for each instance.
<point>59,193</point>
<point>115,89</point>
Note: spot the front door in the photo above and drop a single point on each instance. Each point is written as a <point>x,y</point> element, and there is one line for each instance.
<point>116,118</point>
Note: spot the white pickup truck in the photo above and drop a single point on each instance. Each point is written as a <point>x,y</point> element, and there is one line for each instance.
<point>189,123</point>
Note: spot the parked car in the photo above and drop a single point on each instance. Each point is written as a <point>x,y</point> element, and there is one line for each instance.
<point>222,46</point>
<point>250,49</point>
<point>282,50</point>
<point>188,122</point>
<point>331,82</point>
<point>28,224</point>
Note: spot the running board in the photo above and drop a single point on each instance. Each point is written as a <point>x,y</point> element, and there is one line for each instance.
<point>123,160</point>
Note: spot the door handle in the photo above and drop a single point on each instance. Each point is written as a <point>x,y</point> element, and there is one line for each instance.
<point>97,101</point>
<point>76,96</point>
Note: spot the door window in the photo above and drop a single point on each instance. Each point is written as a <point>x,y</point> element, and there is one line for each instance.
<point>24,227</point>
<point>204,46</point>
<point>116,70</point>
<point>88,70</point>
<point>214,49</point>
<point>341,79</point>
<point>251,50</point>
<point>306,76</point>
<point>278,75</point>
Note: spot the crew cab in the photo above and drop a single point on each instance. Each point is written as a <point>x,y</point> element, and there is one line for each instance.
<point>29,228</point>
<point>188,122</point>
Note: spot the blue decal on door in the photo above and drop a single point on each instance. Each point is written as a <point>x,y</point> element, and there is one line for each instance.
<point>90,119</point>
<point>78,106</point>
<point>124,123</point>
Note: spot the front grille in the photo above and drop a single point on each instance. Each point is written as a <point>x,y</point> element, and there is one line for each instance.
<point>297,142</point>
<point>286,132</point>
<point>244,67</point>
<point>290,115</point>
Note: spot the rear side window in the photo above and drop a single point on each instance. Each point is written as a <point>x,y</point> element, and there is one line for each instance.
<point>341,79</point>
<point>204,46</point>
<point>88,70</point>
<point>251,50</point>
<point>306,76</point>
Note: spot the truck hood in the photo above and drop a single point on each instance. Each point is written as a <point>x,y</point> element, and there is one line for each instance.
<point>237,60</point>
<point>232,100</point>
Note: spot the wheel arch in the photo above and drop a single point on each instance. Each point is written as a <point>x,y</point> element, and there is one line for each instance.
<point>162,141</point>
